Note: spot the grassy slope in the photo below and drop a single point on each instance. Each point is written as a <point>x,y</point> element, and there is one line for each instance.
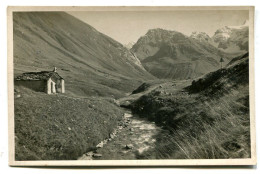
<point>91,63</point>
<point>208,119</point>
<point>55,127</point>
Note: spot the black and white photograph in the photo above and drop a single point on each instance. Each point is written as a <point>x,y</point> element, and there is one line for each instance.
<point>131,86</point>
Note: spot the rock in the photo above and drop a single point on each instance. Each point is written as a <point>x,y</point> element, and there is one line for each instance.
<point>85,157</point>
<point>116,102</point>
<point>109,139</point>
<point>127,115</point>
<point>96,155</point>
<point>69,128</point>
<point>18,95</point>
<point>91,153</point>
<point>100,145</point>
<point>105,142</point>
<point>129,146</point>
<point>126,125</point>
<point>127,103</point>
<point>131,129</point>
<point>111,136</point>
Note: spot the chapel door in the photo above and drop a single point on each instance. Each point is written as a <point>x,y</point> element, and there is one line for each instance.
<point>53,88</point>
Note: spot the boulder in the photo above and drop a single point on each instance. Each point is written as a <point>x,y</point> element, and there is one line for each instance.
<point>129,146</point>
<point>105,142</point>
<point>91,153</point>
<point>100,145</point>
<point>127,103</point>
<point>111,136</point>
<point>97,155</point>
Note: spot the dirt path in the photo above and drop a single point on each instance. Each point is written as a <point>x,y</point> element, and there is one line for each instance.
<point>129,142</point>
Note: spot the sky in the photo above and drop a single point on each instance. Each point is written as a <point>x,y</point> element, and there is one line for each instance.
<point>129,26</point>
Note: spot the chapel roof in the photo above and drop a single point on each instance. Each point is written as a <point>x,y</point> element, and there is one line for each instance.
<point>43,75</point>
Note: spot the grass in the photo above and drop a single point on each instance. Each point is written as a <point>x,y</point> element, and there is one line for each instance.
<point>211,129</point>
<point>209,119</point>
<point>58,127</point>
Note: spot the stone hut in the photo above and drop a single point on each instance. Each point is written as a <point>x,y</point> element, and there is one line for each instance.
<point>44,81</point>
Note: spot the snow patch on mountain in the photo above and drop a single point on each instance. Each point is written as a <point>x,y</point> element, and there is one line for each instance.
<point>201,36</point>
<point>232,38</point>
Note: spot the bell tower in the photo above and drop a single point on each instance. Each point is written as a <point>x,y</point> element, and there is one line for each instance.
<point>55,69</point>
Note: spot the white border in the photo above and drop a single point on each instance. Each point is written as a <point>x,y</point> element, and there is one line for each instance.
<point>3,87</point>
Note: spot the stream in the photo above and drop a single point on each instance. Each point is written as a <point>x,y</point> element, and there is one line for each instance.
<point>128,142</point>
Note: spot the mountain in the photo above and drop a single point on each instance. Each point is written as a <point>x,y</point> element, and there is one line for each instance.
<point>91,63</point>
<point>232,38</point>
<point>173,55</point>
<point>129,45</point>
<point>201,36</point>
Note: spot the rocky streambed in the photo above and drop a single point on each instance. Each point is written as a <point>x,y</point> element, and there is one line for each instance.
<point>129,141</point>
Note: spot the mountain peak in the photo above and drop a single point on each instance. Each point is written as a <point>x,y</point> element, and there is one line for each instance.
<point>232,38</point>
<point>160,30</point>
<point>173,55</point>
<point>201,36</point>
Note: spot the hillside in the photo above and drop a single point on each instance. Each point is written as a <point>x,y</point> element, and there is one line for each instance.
<point>205,118</point>
<point>91,63</point>
<point>172,55</point>
<point>61,127</point>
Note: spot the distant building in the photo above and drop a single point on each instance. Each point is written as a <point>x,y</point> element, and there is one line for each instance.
<point>44,81</point>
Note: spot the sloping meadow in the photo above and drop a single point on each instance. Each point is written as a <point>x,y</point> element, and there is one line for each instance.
<point>57,127</point>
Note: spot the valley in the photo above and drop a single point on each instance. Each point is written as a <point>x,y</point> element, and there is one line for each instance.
<point>167,96</point>
<point>204,119</point>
